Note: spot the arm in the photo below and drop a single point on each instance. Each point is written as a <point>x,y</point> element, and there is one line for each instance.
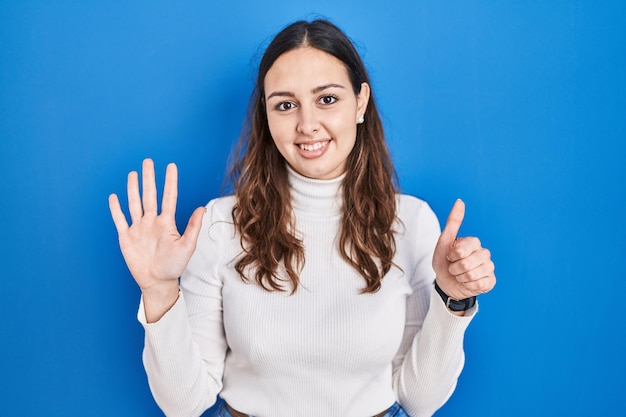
<point>431,356</point>
<point>427,373</point>
<point>185,350</point>
<point>182,383</point>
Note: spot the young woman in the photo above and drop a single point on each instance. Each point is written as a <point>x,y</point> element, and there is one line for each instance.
<point>316,289</point>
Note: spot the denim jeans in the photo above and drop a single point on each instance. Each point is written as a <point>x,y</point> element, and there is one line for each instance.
<point>396,411</point>
<point>219,410</point>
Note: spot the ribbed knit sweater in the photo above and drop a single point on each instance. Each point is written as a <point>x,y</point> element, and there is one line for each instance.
<point>325,350</point>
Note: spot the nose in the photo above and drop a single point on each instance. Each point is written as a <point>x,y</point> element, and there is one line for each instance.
<point>308,120</point>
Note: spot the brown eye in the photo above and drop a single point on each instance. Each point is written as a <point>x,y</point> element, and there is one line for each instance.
<point>285,106</point>
<point>328,100</point>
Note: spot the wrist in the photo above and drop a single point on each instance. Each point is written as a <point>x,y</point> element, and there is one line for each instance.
<point>457,306</point>
<point>158,300</point>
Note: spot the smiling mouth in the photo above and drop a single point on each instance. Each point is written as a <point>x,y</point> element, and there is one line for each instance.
<point>313,146</point>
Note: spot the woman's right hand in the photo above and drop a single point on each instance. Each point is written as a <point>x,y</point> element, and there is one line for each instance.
<point>156,254</point>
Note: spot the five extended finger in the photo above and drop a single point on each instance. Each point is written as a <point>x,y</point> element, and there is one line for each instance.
<point>116,213</point>
<point>170,191</point>
<point>190,236</point>
<point>134,199</point>
<point>148,182</point>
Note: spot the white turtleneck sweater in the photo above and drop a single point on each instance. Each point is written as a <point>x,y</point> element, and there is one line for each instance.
<point>326,350</point>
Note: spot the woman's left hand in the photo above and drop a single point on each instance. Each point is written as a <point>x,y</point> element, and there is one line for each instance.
<point>463,267</point>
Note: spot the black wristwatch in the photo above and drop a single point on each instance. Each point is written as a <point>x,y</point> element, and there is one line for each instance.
<point>455,305</point>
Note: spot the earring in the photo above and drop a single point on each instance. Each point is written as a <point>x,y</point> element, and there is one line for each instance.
<point>361,119</point>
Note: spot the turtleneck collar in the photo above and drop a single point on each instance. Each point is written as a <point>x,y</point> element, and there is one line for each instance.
<point>320,198</point>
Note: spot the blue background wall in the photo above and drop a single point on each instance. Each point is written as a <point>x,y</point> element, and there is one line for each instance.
<point>517,107</point>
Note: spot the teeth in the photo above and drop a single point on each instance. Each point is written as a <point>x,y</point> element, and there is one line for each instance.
<point>312,147</point>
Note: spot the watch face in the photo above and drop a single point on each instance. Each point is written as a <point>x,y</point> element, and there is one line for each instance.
<point>461,305</point>
<point>455,305</point>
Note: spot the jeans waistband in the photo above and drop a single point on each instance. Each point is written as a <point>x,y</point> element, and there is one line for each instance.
<point>226,410</point>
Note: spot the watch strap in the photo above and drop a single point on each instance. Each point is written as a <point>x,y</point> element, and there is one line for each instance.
<point>453,304</point>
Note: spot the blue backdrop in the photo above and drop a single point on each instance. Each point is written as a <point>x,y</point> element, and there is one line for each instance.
<point>519,108</point>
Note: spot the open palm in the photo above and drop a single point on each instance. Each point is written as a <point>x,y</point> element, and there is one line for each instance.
<point>156,254</point>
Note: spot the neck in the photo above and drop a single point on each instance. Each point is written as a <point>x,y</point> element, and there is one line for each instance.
<point>321,198</point>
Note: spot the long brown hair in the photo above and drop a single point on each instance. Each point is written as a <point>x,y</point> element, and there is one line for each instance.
<point>263,214</point>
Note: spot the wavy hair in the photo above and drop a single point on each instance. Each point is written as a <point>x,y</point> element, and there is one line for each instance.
<point>272,255</point>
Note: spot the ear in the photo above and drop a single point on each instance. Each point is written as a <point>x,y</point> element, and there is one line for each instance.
<point>362,99</point>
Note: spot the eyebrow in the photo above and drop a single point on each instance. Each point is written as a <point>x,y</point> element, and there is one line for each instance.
<point>314,91</point>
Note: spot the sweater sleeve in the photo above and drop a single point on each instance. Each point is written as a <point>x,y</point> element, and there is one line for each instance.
<point>431,357</point>
<point>184,351</point>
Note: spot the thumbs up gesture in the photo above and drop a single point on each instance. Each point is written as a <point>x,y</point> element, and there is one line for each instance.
<point>463,267</point>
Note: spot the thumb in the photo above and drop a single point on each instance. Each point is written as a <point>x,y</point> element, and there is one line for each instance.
<point>453,224</point>
<point>190,236</point>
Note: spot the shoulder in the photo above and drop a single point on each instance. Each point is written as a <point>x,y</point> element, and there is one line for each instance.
<point>414,210</point>
<point>220,209</point>
<point>416,220</point>
<point>218,219</point>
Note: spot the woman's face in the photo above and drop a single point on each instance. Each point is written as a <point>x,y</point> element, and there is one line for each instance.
<point>312,111</point>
